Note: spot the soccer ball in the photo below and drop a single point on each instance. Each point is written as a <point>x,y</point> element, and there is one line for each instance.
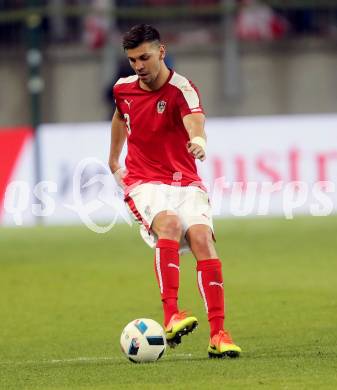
<point>143,340</point>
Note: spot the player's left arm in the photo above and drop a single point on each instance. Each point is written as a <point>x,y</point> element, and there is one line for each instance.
<point>194,124</point>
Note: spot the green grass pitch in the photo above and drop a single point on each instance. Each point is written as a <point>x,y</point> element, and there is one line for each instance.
<point>66,293</point>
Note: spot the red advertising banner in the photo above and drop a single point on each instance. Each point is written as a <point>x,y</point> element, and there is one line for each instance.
<point>12,143</point>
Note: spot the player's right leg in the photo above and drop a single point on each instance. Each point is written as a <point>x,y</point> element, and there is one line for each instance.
<point>168,228</point>
<point>161,229</point>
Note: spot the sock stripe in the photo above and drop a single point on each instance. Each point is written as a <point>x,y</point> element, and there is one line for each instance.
<point>160,278</point>
<point>202,291</point>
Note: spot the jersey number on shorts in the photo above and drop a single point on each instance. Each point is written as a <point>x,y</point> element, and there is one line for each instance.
<point>127,120</point>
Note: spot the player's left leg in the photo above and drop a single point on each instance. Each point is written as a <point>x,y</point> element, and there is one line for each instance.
<point>210,283</point>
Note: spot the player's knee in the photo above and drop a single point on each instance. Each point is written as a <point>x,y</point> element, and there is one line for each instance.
<point>170,228</point>
<point>201,241</point>
<point>201,244</point>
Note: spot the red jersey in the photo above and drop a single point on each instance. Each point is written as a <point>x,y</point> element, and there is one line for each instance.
<point>156,135</point>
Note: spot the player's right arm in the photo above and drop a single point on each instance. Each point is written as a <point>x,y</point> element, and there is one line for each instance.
<point>118,136</point>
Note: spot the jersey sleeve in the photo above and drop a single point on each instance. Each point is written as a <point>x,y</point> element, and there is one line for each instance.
<point>188,100</point>
<point>117,98</point>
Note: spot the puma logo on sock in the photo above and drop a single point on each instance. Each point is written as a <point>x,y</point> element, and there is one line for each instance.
<point>216,284</point>
<point>171,265</point>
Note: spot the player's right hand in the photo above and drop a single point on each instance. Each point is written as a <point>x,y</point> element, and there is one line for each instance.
<point>119,175</point>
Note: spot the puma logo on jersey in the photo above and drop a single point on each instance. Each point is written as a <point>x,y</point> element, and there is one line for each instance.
<point>216,284</point>
<point>171,265</point>
<point>128,103</point>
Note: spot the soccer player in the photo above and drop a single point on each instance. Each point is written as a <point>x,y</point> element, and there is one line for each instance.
<point>160,114</point>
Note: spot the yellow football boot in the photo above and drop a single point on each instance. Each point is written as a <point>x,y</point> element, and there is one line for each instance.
<point>179,325</point>
<point>221,345</point>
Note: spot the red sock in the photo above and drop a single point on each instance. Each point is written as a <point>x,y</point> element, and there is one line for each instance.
<point>166,265</point>
<point>210,285</point>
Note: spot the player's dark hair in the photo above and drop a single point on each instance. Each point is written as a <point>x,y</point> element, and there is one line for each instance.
<point>139,34</point>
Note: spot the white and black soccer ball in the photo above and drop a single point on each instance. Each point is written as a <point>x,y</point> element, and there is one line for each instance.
<point>143,340</point>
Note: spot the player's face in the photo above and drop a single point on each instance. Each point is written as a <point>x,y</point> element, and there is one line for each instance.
<point>146,60</point>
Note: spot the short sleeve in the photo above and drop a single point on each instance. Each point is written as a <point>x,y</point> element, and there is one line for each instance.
<point>188,100</point>
<point>117,99</point>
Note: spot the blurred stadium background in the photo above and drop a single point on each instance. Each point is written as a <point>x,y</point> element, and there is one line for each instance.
<point>234,50</point>
<point>267,73</point>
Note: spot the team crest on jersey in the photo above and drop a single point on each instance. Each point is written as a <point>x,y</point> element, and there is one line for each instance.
<point>161,105</point>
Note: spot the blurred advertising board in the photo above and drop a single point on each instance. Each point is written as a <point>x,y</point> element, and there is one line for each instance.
<point>256,166</point>
<point>277,165</point>
<point>79,187</point>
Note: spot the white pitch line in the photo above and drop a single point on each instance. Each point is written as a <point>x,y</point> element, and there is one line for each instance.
<point>56,361</point>
<point>82,359</point>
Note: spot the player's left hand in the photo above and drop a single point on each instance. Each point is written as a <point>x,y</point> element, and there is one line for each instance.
<point>196,150</point>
